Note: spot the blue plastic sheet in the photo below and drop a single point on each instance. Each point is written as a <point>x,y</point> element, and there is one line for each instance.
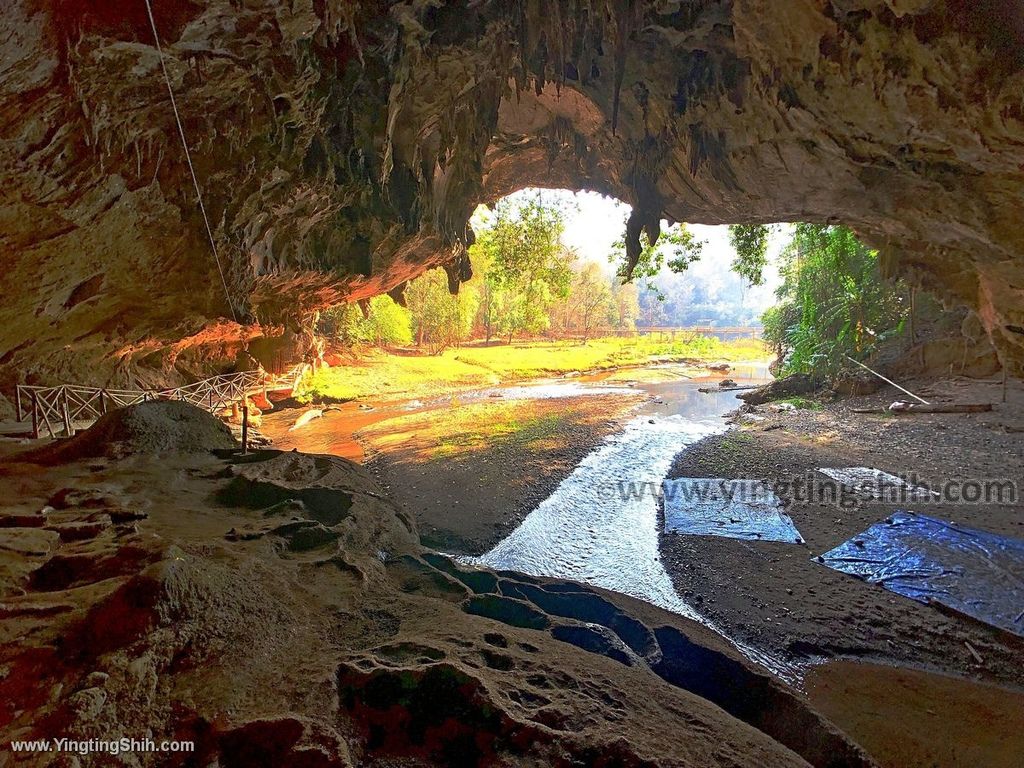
<point>971,571</point>
<point>736,509</point>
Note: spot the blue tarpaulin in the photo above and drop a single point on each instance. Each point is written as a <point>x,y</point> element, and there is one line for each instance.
<point>737,509</point>
<point>971,571</point>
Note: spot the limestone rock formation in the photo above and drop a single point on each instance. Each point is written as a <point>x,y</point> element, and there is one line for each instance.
<point>341,147</point>
<point>274,609</point>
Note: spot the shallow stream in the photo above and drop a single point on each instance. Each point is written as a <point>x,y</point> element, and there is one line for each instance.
<point>601,525</point>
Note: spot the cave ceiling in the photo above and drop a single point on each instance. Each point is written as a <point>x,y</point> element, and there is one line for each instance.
<point>342,146</point>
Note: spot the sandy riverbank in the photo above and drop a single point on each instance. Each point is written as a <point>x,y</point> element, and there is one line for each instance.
<point>775,597</point>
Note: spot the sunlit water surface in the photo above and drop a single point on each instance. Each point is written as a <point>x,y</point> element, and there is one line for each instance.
<point>601,525</point>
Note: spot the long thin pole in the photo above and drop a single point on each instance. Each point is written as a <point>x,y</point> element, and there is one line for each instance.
<point>245,429</point>
<point>35,415</point>
<point>188,157</point>
<point>887,381</point>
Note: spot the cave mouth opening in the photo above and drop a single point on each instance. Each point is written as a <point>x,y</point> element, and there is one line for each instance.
<point>686,277</point>
<point>553,264</point>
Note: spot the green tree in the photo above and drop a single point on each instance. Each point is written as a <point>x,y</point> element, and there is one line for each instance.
<point>440,320</point>
<point>750,241</point>
<point>590,305</point>
<point>834,302</point>
<point>383,323</point>
<point>387,324</point>
<point>677,248</point>
<point>345,324</point>
<point>626,299</point>
<point>528,269</point>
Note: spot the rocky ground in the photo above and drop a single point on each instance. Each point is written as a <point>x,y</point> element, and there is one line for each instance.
<point>277,609</point>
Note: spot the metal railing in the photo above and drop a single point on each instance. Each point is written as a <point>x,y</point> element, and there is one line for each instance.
<point>58,409</point>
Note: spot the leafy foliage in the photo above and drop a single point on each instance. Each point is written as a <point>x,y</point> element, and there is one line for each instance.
<point>833,302</point>
<point>677,249</point>
<point>527,266</point>
<point>750,241</point>
<point>590,301</point>
<point>385,324</point>
<point>440,320</point>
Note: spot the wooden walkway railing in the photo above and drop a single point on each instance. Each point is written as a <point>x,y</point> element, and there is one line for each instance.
<point>58,409</point>
<point>724,331</point>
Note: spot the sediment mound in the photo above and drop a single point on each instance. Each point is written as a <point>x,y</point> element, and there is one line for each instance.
<point>153,427</point>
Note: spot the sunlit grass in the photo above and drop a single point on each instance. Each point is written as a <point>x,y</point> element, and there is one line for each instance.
<point>518,425</point>
<point>383,376</point>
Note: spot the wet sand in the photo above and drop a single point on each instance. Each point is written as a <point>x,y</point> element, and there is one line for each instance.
<point>776,597</point>
<point>469,487</point>
<point>906,718</point>
<point>877,647</point>
<point>765,596</point>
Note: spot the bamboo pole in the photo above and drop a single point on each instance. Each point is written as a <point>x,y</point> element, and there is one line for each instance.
<point>888,381</point>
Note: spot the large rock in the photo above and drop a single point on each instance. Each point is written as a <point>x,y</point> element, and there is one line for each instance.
<point>341,148</point>
<point>147,428</point>
<point>794,385</point>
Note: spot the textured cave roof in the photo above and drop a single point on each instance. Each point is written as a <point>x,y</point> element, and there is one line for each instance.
<point>342,147</point>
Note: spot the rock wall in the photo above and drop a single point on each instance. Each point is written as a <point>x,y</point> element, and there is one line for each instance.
<point>341,147</point>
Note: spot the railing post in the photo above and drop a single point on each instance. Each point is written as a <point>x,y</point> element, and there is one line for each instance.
<point>245,429</point>
<point>35,415</point>
<point>17,399</point>
<point>103,402</point>
<point>66,412</point>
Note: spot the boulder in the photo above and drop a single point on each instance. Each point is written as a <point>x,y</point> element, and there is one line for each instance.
<point>791,386</point>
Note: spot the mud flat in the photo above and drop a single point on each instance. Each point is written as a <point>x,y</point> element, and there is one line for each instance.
<point>775,597</point>
<point>907,718</point>
<point>472,475</point>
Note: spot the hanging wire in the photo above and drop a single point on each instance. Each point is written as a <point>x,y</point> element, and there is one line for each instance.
<point>188,157</point>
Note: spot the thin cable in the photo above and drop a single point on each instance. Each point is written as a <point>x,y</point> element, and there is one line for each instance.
<point>188,157</point>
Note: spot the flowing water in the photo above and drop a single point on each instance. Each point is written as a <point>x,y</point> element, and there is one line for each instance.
<point>601,525</point>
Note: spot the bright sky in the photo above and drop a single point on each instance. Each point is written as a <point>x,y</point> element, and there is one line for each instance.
<point>595,222</point>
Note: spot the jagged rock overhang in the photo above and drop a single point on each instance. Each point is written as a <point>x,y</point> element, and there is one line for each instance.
<point>343,146</point>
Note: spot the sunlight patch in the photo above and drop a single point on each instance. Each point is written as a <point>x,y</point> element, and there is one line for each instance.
<point>736,509</point>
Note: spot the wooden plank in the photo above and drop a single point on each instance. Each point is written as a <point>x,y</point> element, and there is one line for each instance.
<point>35,416</point>
<point>931,408</point>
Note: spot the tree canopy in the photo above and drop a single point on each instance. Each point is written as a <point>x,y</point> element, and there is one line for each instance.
<point>833,301</point>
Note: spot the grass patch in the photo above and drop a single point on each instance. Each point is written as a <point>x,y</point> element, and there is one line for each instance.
<point>383,376</point>
<point>530,433</point>
<point>446,434</point>
<point>802,403</point>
